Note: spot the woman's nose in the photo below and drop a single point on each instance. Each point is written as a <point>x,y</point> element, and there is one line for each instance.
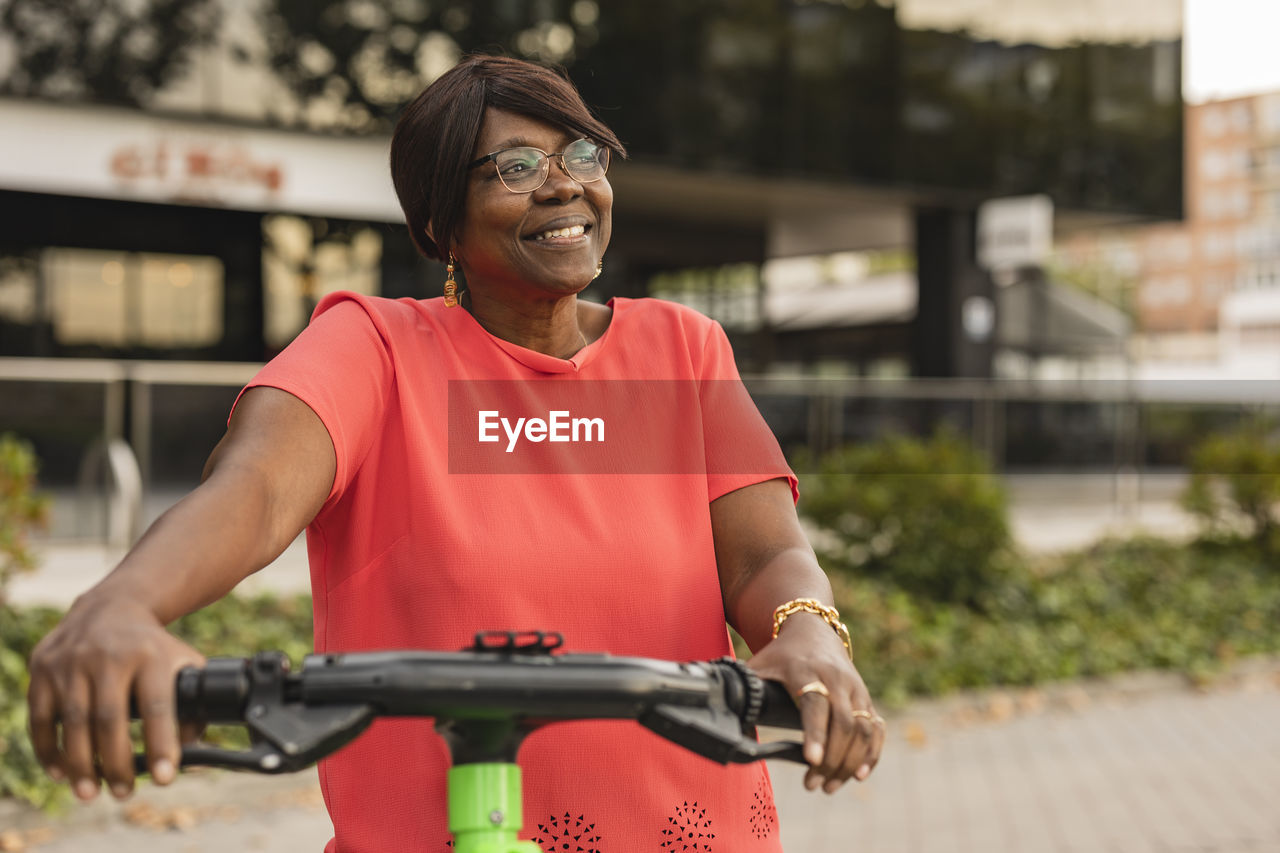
<point>559,184</point>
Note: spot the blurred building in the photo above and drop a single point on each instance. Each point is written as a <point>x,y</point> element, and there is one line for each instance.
<point>1205,293</point>
<point>184,181</point>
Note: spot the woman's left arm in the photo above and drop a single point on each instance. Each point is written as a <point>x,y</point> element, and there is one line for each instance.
<point>764,560</point>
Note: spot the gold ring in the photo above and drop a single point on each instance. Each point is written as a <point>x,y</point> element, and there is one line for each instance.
<point>813,687</point>
<point>874,719</point>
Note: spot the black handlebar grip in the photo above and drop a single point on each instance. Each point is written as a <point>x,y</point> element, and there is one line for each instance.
<point>216,694</point>
<point>778,708</point>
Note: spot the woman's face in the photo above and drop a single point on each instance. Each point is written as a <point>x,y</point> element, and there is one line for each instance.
<point>504,243</point>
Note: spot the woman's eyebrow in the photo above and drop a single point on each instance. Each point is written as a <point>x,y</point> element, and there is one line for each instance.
<point>513,142</point>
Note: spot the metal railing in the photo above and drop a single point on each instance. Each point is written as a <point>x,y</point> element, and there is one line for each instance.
<point>1120,427</point>
<point>116,454</point>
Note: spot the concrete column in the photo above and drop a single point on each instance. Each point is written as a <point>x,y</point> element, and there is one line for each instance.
<point>956,302</point>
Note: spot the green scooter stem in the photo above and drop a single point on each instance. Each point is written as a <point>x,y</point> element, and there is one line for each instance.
<point>485,811</point>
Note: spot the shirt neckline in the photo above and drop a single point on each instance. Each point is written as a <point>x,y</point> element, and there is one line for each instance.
<point>540,361</point>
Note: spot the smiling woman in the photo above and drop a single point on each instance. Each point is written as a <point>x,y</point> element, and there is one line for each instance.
<point>438,137</point>
<point>353,433</point>
<point>459,160</point>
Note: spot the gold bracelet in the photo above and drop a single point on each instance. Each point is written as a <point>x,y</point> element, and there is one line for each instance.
<point>812,605</point>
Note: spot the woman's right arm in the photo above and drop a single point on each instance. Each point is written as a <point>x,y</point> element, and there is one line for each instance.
<point>262,485</point>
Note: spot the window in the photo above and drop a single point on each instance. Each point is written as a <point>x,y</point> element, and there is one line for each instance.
<point>306,259</point>
<point>1269,113</point>
<point>1213,165</point>
<point>119,299</point>
<point>1241,118</point>
<point>18,294</point>
<point>1165,291</point>
<point>1217,246</point>
<point>1213,121</point>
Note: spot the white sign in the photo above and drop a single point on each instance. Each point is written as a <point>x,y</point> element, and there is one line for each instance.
<point>978,318</point>
<point>104,152</point>
<point>1015,232</point>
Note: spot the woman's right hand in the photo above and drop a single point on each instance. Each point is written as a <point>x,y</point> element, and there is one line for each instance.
<point>105,651</point>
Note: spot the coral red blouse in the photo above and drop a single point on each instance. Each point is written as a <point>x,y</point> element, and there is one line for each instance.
<point>426,538</point>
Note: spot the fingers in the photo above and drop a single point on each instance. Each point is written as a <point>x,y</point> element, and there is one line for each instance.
<point>82,677</point>
<point>879,731</point>
<point>815,717</point>
<point>867,732</point>
<point>840,742</point>
<point>842,731</point>
<point>111,731</point>
<point>77,739</point>
<point>843,735</point>
<point>160,732</point>
<point>43,721</point>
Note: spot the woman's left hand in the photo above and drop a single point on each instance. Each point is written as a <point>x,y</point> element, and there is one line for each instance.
<point>843,734</point>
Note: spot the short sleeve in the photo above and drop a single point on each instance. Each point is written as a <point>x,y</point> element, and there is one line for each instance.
<point>340,366</point>
<point>740,448</point>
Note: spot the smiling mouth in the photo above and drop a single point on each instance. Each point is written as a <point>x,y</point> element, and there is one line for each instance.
<point>553,234</point>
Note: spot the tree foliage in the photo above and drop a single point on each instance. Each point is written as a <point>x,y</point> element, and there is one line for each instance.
<point>110,51</point>
<point>350,65</point>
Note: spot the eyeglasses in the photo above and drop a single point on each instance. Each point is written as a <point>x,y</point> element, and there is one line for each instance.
<point>524,169</point>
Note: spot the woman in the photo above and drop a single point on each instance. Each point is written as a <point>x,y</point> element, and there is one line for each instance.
<point>363,432</point>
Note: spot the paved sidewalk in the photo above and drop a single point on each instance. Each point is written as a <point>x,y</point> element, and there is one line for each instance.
<point>1173,770</point>
<point>1141,765</point>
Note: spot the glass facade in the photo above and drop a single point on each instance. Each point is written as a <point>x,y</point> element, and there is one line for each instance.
<point>983,98</point>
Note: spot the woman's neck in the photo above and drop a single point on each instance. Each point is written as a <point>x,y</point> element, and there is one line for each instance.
<point>550,326</point>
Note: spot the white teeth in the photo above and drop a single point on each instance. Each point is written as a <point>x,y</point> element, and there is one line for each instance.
<point>571,231</point>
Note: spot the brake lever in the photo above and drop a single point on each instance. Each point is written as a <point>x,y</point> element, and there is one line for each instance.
<point>715,736</point>
<point>286,734</point>
<point>261,757</point>
<point>724,729</point>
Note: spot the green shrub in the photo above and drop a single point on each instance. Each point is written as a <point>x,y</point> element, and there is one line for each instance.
<point>240,626</point>
<point>20,773</point>
<point>1121,605</point>
<point>235,627</point>
<point>21,509</point>
<point>1235,485</point>
<point>930,516</point>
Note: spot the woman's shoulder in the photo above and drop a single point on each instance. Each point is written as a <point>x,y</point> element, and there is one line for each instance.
<point>374,306</point>
<point>386,314</point>
<point>651,312</point>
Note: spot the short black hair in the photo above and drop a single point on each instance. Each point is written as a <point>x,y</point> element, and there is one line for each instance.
<point>436,135</point>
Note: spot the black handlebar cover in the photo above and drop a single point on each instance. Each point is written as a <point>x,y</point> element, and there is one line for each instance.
<point>710,707</point>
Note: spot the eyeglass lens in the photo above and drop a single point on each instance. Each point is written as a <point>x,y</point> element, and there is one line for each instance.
<point>525,169</point>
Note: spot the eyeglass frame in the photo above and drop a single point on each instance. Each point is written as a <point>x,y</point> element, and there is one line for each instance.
<point>546,156</point>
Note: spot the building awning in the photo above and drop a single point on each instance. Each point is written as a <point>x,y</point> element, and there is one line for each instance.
<point>115,153</point>
<point>875,300</point>
<point>1036,317</point>
<point>664,216</point>
<point>1048,317</point>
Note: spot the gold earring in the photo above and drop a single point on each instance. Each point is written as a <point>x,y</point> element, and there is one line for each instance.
<point>450,286</point>
<point>599,269</point>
